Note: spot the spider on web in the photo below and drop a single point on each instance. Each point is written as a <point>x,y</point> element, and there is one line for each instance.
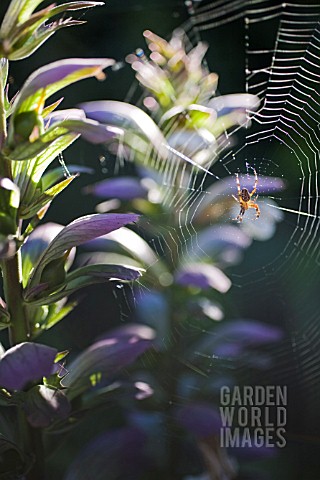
<point>244,198</point>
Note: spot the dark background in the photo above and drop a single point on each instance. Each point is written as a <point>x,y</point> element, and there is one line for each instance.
<point>115,30</point>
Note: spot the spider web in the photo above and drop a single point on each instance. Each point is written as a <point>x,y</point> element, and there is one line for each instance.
<point>281,66</point>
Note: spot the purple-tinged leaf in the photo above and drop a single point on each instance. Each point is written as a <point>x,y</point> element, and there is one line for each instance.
<point>123,188</point>
<point>51,78</point>
<point>77,232</point>
<point>44,405</point>
<point>104,358</point>
<point>104,272</point>
<point>223,237</point>
<point>201,419</point>
<point>223,190</point>
<point>234,339</point>
<point>266,226</point>
<point>127,116</point>
<point>24,363</point>
<point>248,332</point>
<point>226,104</point>
<point>203,275</point>
<point>224,243</point>
<point>113,455</point>
<point>74,120</point>
<point>92,131</point>
<point>229,350</point>
<point>68,114</point>
<point>42,294</point>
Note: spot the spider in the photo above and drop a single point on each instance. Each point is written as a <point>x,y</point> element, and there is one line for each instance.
<point>244,198</point>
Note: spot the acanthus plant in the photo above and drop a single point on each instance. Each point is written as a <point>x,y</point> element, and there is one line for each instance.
<point>36,259</point>
<point>188,218</point>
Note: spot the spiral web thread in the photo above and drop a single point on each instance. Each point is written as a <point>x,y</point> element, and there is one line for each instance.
<point>282,68</point>
<point>282,63</point>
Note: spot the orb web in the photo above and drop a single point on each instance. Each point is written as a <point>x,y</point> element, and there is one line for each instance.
<point>280,139</point>
<point>282,67</point>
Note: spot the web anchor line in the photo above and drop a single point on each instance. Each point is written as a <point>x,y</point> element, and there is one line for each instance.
<point>290,210</point>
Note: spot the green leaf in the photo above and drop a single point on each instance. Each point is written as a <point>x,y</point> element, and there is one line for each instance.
<point>27,9</point>
<point>23,31</point>
<point>50,108</point>
<point>25,123</point>
<point>57,313</point>
<point>74,6</point>
<point>9,204</point>
<point>18,11</point>
<point>28,150</point>
<point>193,116</point>
<point>28,44</point>
<point>4,68</point>
<point>4,320</point>
<point>61,355</point>
<point>27,174</point>
<point>46,197</point>
<point>53,274</point>
<point>49,145</point>
<point>35,245</point>
<point>49,178</point>
<point>31,5</point>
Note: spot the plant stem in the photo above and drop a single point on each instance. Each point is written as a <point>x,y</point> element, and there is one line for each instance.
<point>3,122</point>
<point>19,330</point>
<point>12,285</point>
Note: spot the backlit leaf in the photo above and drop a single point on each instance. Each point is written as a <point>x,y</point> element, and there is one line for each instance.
<point>77,232</point>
